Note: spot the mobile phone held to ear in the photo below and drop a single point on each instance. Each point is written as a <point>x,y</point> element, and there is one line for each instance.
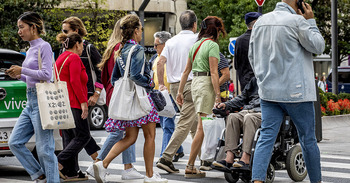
<point>300,6</point>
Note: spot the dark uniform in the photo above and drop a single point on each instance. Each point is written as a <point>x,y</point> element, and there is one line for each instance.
<point>242,65</point>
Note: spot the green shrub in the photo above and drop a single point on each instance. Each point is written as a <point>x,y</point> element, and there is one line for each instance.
<point>344,96</point>
<point>332,96</point>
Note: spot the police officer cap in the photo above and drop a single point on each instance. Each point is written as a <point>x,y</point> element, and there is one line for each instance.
<point>251,16</point>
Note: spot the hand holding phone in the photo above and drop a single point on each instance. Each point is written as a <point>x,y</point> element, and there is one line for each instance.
<point>300,6</point>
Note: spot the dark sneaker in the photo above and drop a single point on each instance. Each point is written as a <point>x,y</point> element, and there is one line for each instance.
<point>205,165</point>
<point>167,166</point>
<point>178,156</point>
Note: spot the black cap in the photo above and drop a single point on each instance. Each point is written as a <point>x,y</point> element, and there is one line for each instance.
<point>251,16</point>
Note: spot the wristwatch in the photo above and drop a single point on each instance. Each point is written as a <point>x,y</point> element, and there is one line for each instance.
<point>98,92</point>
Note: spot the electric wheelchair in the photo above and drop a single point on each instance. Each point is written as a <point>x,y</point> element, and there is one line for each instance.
<point>286,155</point>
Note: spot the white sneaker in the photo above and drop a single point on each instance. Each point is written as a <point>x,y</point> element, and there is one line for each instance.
<point>131,173</point>
<point>155,179</point>
<point>40,180</point>
<point>100,172</point>
<point>90,170</point>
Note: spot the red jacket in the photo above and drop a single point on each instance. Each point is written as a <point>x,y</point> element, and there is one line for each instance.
<point>74,73</point>
<point>107,73</point>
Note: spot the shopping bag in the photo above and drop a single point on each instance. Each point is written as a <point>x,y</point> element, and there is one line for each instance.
<point>169,110</point>
<point>129,101</point>
<point>212,128</point>
<point>53,102</point>
<point>102,99</point>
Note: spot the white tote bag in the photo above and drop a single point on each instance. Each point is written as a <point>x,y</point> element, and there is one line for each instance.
<point>169,110</point>
<point>53,102</point>
<point>212,128</point>
<point>102,99</point>
<point>129,101</point>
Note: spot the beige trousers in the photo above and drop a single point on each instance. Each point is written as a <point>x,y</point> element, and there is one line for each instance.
<point>242,122</point>
<point>187,123</point>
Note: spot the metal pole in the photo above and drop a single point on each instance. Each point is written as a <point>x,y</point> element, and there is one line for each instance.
<point>142,18</point>
<point>334,19</point>
<point>260,9</point>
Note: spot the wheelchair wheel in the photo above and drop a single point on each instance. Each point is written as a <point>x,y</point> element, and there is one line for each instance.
<point>295,164</point>
<point>231,177</point>
<point>270,174</point>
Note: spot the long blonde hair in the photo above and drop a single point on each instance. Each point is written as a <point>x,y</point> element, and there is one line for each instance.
<point>116,37</point>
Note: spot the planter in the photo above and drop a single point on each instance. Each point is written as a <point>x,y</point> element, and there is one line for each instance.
<point>337,121</point>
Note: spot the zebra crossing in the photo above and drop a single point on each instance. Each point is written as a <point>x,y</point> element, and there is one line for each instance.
<point>335,169</point>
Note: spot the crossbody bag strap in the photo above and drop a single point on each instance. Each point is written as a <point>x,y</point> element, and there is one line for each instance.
<point>126,72</point>
<point>40,64</point>
<point>92,68</point>
<point>63,64</point>
<point>195,53</point>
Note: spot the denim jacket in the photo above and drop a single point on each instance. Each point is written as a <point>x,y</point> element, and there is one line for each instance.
<point>137,61</point>
<point>280,53</point>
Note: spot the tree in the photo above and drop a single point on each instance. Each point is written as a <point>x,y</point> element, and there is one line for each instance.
<point>10,11</point>
<point>322,12</point>
<point>98,22</point>
<point>232,12</point>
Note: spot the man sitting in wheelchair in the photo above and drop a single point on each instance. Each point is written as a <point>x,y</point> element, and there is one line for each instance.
<point>244,117</point>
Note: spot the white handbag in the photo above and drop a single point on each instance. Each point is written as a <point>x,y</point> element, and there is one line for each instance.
<point>53,102</point>
<point>129,101</point>
<point>102,99</point>
<point>169,110</point>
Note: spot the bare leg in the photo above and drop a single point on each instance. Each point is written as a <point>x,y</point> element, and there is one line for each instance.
<point>94,156</point>
<point>245,158</point>
<point>229,157</point>
<point>129,139</point>
<point>149,132</point>
<point>197,141</point>
<point>127,166</point>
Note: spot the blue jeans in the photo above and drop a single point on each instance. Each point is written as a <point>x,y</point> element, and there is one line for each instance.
<point>27,125</point>
<point>303,117</point>
<point>168,126</point>
<point>113,138</point>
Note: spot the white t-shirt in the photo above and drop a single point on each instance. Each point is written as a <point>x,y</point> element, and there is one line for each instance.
<point>176,52</point>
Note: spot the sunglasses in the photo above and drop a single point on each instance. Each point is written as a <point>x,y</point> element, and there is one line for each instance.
<point>141,28</point>
<point>155,45</point>
<point>65,31</point>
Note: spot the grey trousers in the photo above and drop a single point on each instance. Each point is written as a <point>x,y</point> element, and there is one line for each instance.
<point>242,122</point>
<point>187,123</point>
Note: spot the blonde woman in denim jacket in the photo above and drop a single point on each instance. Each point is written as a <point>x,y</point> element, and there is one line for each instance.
<point>132,34</point>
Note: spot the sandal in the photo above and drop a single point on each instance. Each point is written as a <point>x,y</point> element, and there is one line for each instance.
<point>80,177</point>
<point>192,173</point>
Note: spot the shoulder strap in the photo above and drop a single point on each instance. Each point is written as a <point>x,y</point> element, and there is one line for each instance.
<point>195,53</point>
<point>63,64</point>
<point>39,59</point>
<point>126,72</point>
